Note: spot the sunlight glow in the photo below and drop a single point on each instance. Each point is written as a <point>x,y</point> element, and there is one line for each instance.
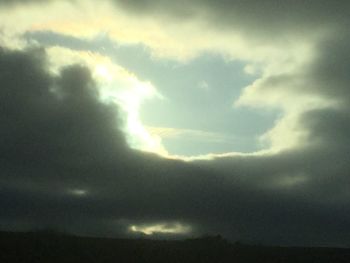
<point>116,86</point>
<point>103,72</point>
<point>78,192</point>
<point>128,92</point>
<point>130,101</point>
<point>176,228</point>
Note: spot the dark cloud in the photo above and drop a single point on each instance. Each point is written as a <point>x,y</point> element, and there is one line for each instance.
<point>325,76</point>
<point>270,20</point>
<point>57,137</point>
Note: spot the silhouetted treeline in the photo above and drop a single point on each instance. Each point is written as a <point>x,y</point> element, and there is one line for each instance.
<point>49,247</point>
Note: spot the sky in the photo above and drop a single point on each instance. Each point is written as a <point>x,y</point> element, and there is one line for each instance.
<point>175,119</point>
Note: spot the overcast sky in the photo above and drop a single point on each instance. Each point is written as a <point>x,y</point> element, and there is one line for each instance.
<point>172,119</point>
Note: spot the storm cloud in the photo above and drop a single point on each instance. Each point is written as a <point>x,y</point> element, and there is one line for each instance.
<point>57,137</point>
<point>65,162</point>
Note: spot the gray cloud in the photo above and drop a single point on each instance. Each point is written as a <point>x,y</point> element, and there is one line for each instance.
<point>268,20</point>
<point>57,139</point>
<point>57,136</point>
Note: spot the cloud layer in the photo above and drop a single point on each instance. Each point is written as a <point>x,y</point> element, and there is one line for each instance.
<point>65,162</point>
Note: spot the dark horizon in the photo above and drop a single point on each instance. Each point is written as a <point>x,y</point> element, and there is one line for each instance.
<point>50,247</point>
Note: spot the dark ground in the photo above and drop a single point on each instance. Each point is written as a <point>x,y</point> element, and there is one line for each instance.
<point>50,247</point>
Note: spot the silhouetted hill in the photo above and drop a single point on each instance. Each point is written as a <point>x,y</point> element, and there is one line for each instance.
<point>50,247</point>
